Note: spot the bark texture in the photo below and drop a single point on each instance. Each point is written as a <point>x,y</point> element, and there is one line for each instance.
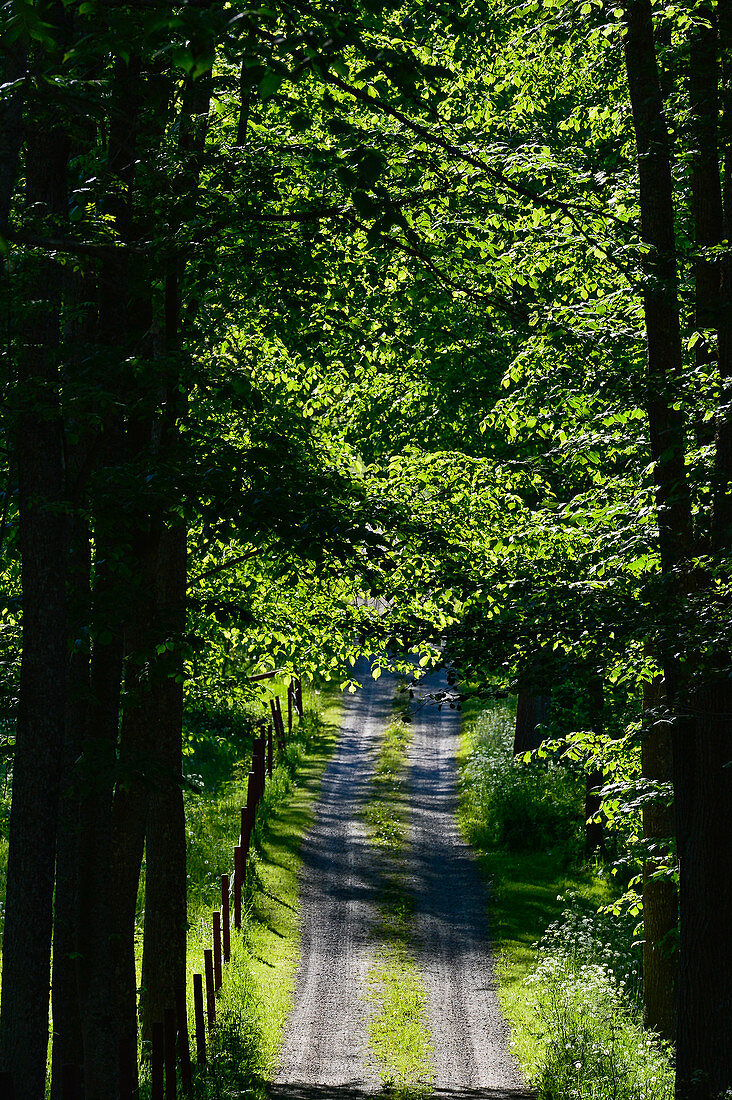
<point>660,896</point>
<point>41,708</point>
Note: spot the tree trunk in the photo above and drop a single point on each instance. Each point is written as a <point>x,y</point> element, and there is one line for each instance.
<point>704,1052</point>
<point>701,738</point>
<point>67,1048</point>
<point>660,293</point>
<point>98,766</point>
<point>131,797</point>
<point>532,711</point>
<point>41,707</point>
<point>660,896</point>
<point>164,943</point>
<point>722,517</point>
<point>164,946</point>
<point>594,832</point>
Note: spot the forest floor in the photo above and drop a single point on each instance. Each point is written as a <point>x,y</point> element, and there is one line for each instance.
<point>348,955</point>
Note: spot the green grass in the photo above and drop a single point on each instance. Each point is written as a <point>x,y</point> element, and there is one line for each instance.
<point>568,972</point>
<point>273,905</point>
<point>258,984</point>
<point>525,885</point>
<point>398,1034</point>
<point>385,812</point>
<point>398,1030</point>
<point>525,893</point>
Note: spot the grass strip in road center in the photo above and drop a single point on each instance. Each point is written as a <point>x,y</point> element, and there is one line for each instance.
<point>398,1031</point>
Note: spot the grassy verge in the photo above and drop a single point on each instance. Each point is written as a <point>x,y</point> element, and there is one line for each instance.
<point>398,1031</point>
<point>259,981</point>
<point>569,975</point>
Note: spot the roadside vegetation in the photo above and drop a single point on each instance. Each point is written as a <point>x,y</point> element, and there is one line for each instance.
<point>569,965</point>
<point>398,1031</point>
<point>256,995</point>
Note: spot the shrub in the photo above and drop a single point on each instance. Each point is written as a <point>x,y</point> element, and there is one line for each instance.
<point>513,804</point>
<point>586,989</point>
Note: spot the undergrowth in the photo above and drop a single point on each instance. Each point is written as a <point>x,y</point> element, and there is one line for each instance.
<point>570,980</point>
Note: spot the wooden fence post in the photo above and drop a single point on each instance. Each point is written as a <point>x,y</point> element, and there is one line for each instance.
<point>289,708</point>
<point>218,978</point>
<point>261,754</point>
<point>280,722</point>
<point>198,1017</point>
<point>270,753</point>
<point>298,689</point>
<point>157,1091</point>
<point>251,813</point>
<point>238,884</point>
<point>170,1033</point>
<point>210,992</point>
<point>184,1046</point>
<point>225,927</point>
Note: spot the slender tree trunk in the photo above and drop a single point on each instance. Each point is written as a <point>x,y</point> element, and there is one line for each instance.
<point>13,64</point>
<point>701,739</point>
<point>164,946</point>
<point>594,832</point>
<point>67,1048</point>
<point>136,776</point>
<point>722,518</point>
<point>98,766</point>
<point>660,896</point>
<point>41,708</point>
<point>704,1053</point>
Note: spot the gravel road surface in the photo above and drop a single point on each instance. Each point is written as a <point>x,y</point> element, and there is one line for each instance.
<point>325,1041</point>
<point>325,1054</point>
<point>470,1036</point>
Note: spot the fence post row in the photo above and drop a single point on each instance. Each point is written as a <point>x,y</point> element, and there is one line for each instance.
<point>170,1039</point>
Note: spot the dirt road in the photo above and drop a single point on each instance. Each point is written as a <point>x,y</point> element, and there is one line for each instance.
<point>325,1054</point>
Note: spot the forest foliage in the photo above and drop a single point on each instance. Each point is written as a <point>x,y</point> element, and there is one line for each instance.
<point>333,330</point>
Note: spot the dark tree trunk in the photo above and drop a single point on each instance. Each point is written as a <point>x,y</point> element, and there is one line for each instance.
<point>98,766</point>
<point>660,896</point>
<point>532,712</point>
<point>136,776</point>
<point>701,738</point>
<point>67,1048</point>
<point>722,518</point>
<point>660,294</point>
<point>594,832</point>
<point>41,708</point>
<point>164,946</point>
<point>165,933</point>
<point>704,1052</point>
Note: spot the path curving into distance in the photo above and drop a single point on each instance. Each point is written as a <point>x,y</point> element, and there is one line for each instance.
<point>325,1054</point>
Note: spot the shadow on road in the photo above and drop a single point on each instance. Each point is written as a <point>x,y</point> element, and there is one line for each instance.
<point>356,1091</point>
